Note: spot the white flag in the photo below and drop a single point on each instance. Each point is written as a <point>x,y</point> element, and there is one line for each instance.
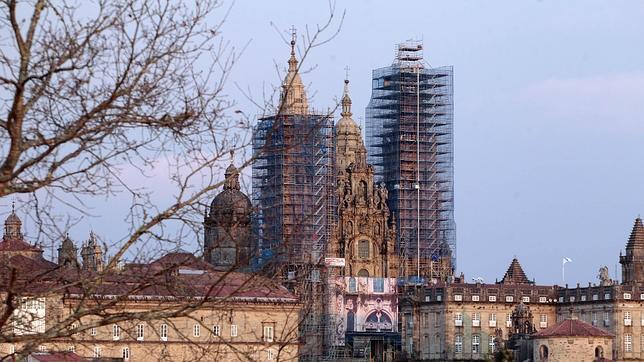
<point>566,260</point>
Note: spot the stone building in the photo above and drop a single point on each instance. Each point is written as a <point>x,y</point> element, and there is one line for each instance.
<point>227,228</point>
<point>572,340</point>
<point>616,308</point>
<point>460,321</point>
<point>68,253</point>
<point>365,236</point>
<point>362,296</point>
<point>175,308</point>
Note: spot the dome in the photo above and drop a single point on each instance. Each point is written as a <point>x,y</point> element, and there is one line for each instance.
<point>231,206</point>
<point>12,226</point>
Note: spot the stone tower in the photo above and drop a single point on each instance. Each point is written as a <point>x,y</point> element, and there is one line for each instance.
<point>633,261</point>
<point>13,242</point>
<point>67,253</point>
<point>92,254</point>
<point>227,239</point>
<point>365,236</point>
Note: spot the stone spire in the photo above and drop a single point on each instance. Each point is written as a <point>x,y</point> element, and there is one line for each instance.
<point>633,261</point>
<point>349,147</point>
<point>515,274</point>
<point>637,235</point>
<point>67,253</point>
<point>92,254</point>
<point>293,97</point>
<point>12,225</point>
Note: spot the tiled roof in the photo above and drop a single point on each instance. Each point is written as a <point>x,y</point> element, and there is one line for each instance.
<point>17,245</point>
<point>572,328</point>
<point>515,274</point>
<point>637,234</point>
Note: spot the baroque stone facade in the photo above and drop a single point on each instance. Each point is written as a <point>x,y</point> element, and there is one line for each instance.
<point>365,236</point>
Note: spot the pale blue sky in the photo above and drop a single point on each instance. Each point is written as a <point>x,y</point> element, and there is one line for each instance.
<point>549,114</point>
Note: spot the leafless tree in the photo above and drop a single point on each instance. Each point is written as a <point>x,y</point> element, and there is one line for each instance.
<point>92,93</point>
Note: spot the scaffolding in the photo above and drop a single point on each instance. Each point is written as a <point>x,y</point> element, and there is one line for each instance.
<point>409,135</point>
<point>294,193</point>
<point>293,186</point>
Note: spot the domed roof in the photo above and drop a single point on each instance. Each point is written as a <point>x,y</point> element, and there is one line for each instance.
<point>12,226</point>
<point>231,202</point>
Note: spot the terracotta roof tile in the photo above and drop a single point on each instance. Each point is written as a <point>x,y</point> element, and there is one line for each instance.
<point>572,328</point>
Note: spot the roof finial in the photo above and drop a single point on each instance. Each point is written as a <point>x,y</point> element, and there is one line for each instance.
<point>13,206</point>
<point>293,38</point>
<point>346,100</point>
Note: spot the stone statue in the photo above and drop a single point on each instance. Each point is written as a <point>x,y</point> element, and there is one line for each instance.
<point>604,277</point>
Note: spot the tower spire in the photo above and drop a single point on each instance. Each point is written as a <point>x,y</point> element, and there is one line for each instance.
<point>293,97</point>
<point>346,100</point>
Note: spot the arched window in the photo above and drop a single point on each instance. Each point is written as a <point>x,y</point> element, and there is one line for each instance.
<point>351,317</point>
<point>363,191</point>
<point>353,287</point>
<point>599,352</point>
<point>543,353</point>
<point>363,249</point>
<point>363,273</point>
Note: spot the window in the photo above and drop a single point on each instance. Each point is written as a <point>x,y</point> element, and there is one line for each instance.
<point>509,298</point>
<point>140,332</point>
<point>583,298</point>
<point>437,319</point>
<point>125,352</point>
<point>378,285</point>
<point>492,298</point>
<point>572,299</point>
<point>439,297</point>
<point>363,273</point>
<point>475,298</point>
<point>233,330</point>
<point>627,318</point>
<point>606,319</point>
<point>12,348</point>
<point>642,296</point>
<point>353,286</point>
<point>458,319</point>
<point>607,296</point>
<point>164,332</point>
<point>116,332</point>
<point>593,317</point>
<point>525,299</point>
<point>428,298</point>
<point>458,343</point>
<point>627,295</point>
<point>270,355</point>
<point>425,319</point>
<point>42,348</point>
<point>97,352</point>
<point>476,319</point>
<point>476,343</point>
<point>268,333</point>
<point>458,297</point>
<point>363,249</point>
<point>74,325</point>
<point>490,343</point>
<point>543,321</point>
<point>92,331</point>
<point>196,330</point>
<point>543,299</point>
<point>595,296</point>
<point>508,320</point>
<point>216,331</point>
<point>71,349</point>
<point>628,342</point>
<point>561,299</point>
<point>492,320</point>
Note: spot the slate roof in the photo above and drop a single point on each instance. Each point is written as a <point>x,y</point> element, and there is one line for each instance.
<point>572,328</point>
<point>515,274</point>
<point>57,357</point>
